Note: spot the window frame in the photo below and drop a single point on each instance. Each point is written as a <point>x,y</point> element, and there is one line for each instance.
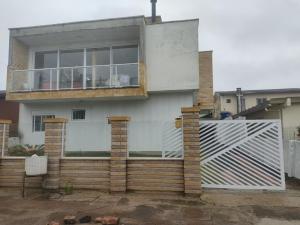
<point>72,115</point>
<point>228,100</point>
<point>43,116</point>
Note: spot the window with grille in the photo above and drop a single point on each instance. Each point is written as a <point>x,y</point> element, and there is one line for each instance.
<point>78,114</point>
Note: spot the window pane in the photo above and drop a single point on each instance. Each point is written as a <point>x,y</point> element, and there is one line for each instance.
<point>45,60</point>
<point>78,114</point>
<point>128,54</point>
<point>97,56</point>
<point>37,123</point>
<point>71,58</point>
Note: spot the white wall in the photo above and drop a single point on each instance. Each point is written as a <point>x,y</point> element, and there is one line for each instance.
<point>172,56</point>
<point>157,108</point>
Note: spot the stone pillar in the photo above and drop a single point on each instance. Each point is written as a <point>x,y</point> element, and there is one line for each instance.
<point>4,134</point>
<point>192,175</point>
<point>55,130</point>
<point>118,163</point>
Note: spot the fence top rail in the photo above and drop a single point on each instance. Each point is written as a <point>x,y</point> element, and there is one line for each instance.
<point>240,121</point>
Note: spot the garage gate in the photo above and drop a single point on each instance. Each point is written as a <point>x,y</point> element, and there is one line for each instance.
<point>242,154</point>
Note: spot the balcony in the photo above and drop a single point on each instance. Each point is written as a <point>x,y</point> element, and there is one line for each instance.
<point>76,78</point>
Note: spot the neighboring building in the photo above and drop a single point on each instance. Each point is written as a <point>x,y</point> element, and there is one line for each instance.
<point>241,100</point>
<point>87,71</point>
<point>9,111</point>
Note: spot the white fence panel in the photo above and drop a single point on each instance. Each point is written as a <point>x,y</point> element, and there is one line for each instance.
<point>293,162</point>
<point>242,154</point>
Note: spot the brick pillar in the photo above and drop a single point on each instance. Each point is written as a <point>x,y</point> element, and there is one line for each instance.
<point>118,168</point>
<point>192,175</point>
<point>54,143</point>
<point>4,134</point>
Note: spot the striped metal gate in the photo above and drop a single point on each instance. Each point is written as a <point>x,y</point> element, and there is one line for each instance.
<point>242,154</point>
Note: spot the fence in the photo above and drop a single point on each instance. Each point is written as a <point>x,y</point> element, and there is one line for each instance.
<point>160,139</point>
<point>293,159</point>
<point>242,154</point>
<point>118,172</point>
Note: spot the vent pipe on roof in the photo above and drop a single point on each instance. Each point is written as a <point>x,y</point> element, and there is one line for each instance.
<point>153,18</point>
<point>239,95</point>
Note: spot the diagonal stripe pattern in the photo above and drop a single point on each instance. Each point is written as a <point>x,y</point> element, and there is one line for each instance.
<point>242,154</point>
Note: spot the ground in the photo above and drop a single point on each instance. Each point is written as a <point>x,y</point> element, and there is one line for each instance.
<point>215,207</point>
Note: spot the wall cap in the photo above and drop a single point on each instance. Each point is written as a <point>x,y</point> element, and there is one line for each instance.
<point>5,121</point>
<point>190,109</point>
<point>118,118</point>
<point>55,120</point>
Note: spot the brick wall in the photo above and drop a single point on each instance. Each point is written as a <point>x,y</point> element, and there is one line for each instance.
<point>85,173</point>
<point>205,94</point>
<point>155,175</point>
<point>12,172</point>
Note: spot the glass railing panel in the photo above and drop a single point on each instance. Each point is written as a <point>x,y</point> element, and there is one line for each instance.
<point>65,78</point>
<point>20,81</point>
<point>78,78</point>
<point>98,76</point>
<point>43,79</point>
<point>124,75</point>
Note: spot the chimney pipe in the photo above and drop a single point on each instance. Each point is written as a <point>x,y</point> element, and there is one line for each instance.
<point>239,95</point>
<point>153,18</point>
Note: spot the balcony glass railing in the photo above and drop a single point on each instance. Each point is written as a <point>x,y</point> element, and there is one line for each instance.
<point>89,77</point>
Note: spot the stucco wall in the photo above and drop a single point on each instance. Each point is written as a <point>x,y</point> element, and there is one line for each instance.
<point>158,107</point>
<point>172,56</point>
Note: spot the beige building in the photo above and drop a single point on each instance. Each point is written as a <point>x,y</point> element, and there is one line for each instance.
<point>227,101</point>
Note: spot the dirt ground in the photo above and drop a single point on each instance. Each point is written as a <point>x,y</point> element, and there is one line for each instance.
<point>216,207</point>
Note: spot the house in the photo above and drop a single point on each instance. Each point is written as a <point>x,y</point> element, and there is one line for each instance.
<point>240,100</point>
<point>9,111</point>
<point>86,71</point>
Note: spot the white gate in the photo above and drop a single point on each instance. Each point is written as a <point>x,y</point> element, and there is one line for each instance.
<point>242,154</point>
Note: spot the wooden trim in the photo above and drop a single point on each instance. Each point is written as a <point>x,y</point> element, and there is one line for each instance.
<point>5,121</point>
<point>55,120</point>
<point>118,118</point>
<point>190,109</point>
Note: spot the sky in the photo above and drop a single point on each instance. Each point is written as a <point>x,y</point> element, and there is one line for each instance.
<point>255,43</point>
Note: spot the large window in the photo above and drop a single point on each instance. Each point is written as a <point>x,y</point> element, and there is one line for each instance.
<point>44,79</point>
<point>71,77</point>
<point>37,122</point>
<point>87,68</point>
<point>46,60</point>
<point>126,54</point>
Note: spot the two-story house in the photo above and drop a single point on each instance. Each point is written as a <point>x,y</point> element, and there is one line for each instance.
<point>86,71</point>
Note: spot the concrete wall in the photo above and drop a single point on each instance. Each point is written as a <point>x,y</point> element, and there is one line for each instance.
<point>158,107</point>
<point>172,56</point>
<point>291,116</point>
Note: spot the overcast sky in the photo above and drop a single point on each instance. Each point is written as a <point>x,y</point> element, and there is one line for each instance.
<point>256,43</point>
